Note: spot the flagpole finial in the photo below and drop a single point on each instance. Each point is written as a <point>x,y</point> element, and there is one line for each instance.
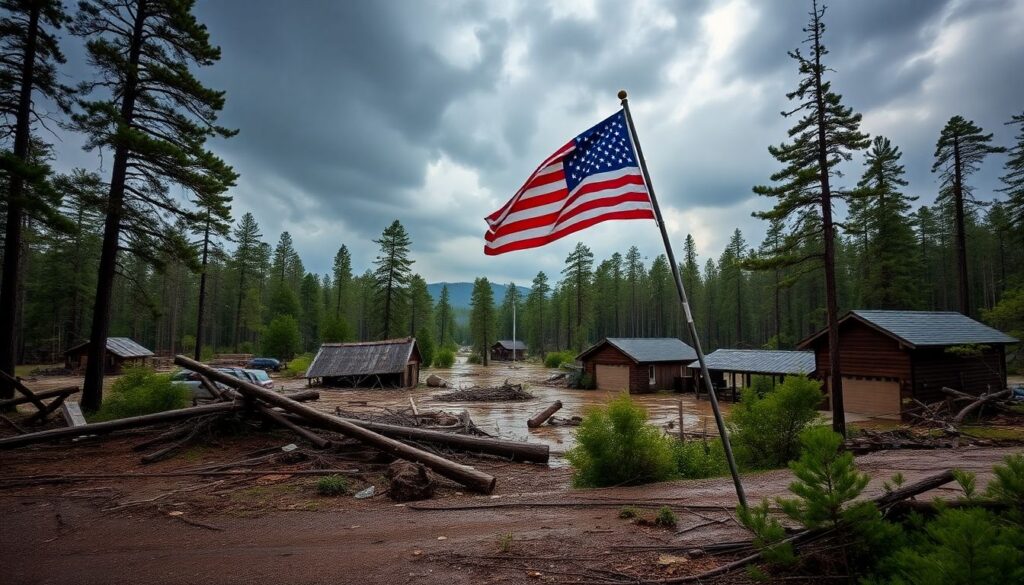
<point>622,94</point>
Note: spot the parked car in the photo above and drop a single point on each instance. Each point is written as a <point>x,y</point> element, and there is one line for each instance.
<point>265,364</point>
<point>191,379</point>
<point>261,378</point>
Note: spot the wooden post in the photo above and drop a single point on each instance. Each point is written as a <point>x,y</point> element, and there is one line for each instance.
<point>682,433</point>
<point>463,474</point>
<point>681,290</point>
<point>543,416</point>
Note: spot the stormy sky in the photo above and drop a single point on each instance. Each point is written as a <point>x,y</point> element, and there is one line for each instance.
<point>355,113</point>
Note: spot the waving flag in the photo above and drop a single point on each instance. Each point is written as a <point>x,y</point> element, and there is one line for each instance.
<point>593,178</point>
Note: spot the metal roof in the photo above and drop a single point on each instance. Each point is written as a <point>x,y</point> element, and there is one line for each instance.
<point>648,349</point>
<point>509,344</point>
<point>759,361</point>
<point>360,359</point>
<point>123,347</point>
<point>926,328</point>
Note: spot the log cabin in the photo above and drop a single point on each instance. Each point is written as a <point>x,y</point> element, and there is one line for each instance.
<point>637,364</point>
<point>391,363</point>
<point>505,350</point>
<point>889,359</point>
<point>121,352</point>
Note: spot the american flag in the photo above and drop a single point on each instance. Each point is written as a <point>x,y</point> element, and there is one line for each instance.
<point>595,177</point>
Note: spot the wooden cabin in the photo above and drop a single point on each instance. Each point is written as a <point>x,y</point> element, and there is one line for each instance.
<point>733,369</point>
<point>392,363</point>
<point>888,359</point>
<point>505,350</point>
<point>121,352</point>
<point>638,364</point>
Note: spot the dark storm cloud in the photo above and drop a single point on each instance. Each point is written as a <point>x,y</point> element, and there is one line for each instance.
<point>356,113</point>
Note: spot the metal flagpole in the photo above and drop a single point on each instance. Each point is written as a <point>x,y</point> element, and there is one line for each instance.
<point>686,305</point>
<point>514,294</point>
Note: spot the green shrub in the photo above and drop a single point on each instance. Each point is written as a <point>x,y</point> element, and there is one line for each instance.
<point>505,542</point>
<point>766,431</point>
<point>666,518</point>
<point>445,358</point>
<point>762,385</point>
<point>587,382</point>
<point>281,339</point>
<point>555,359</point>
<point>474,358</point>
<point>142,391</point>
<point>700,459</point>
<point>298,365</point>
<point>616,446</point>
<point>768,533</point>
<point>629,512</point>
<point>332,485</point>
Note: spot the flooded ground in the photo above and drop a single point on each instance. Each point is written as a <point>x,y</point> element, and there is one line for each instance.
<point>508,419</point>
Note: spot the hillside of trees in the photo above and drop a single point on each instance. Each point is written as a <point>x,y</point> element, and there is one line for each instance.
<point>149,247</point>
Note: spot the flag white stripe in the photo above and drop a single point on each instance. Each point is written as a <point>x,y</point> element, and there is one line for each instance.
<point>556,205</point>
<point>589,214</point>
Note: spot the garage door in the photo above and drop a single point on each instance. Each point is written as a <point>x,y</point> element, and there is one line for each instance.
<point>612,377</point>
<point>878,398</point>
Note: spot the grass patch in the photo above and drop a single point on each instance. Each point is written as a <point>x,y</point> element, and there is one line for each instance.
<point>298,365</point>
<point>505,542</point>
<point>445,358</point>
<point>142,391</point>
<point>994,433</point>
<point>700,459</point>
<point>629,513</point>
<point>332,485</point>
<point>666,518</point>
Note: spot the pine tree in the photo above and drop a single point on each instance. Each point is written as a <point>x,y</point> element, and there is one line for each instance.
<point>823,138</point>
<point>421,306</point>
<point>215,209</point>
<point>342,277</point>
<point>482,317</point>
<point>732,269</point>
<point>309,306</point>
<point>890,257</point>
<point>1014,177</point>
<point>535,302</point>
<point>287,264</point>
<point>577,273</point>
<point>445,318</point>
<point>155,116</point>
<point>392,276</point>
<point>959,152</point>
<point>507,314</point>
<point>28,76</point>
<point>246,262</point>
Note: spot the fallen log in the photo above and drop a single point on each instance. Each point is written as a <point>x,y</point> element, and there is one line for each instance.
<point>29,395</point>
<point>279,418</point>
<point>465,475</point>
<point>541,417</point>
<point>913,489</point>
<point>977,401</point>
<point>137,421</point>
<point>40,395</point>
<point>516,450</point>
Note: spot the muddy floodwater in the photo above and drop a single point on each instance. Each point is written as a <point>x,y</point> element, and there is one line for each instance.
<point>508,419</point>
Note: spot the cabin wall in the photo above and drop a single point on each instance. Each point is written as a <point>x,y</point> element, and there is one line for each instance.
<point>609,355</point>
<point>934,368</point>
<point>864,352</point>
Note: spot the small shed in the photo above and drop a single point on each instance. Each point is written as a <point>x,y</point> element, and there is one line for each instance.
<point>638,364</point>
<point>734,368</point>
<point>889,359</point>
<point>121,352</point>
<point>392,363</point>
<point>505,350</point>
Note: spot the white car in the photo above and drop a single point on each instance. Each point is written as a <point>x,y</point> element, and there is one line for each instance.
<point>260,378</point>
<point>191,380</point>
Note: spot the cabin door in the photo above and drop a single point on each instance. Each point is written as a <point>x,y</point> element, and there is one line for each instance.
<point>612,377</point>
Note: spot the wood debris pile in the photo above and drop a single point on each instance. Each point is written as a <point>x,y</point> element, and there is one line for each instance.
<point>414,437</point>
<point>505,393</point>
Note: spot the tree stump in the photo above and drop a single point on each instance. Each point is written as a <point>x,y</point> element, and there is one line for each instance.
<point>409,482</point>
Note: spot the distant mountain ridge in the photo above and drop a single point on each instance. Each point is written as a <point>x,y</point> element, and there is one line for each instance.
<point>460,293</point>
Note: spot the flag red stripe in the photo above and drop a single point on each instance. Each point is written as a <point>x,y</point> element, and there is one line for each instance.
<point>551,218</point>
<point>560,217</point>
<point>540,241</point>
<point>554,158</point>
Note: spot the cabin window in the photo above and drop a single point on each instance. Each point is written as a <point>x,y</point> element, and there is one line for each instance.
<point>650,375</point>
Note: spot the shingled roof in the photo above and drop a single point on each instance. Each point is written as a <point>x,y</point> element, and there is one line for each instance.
<point>759,361</point>
<point>362,359</point>
<point>509,344</point>
<point>123,347</point>
<point>647,349</point>
<point>925,328</point>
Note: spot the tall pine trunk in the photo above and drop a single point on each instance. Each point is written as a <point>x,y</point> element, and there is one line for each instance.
<point>13,237</point>
<point>828,234</point>
<point>202,291</point>
<point>963,286</point>
<point>92,391</point>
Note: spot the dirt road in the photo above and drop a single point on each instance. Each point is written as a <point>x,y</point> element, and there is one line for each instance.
<point>63,535</point>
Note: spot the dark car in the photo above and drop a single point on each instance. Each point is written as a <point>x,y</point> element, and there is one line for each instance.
<point>266,364</point>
